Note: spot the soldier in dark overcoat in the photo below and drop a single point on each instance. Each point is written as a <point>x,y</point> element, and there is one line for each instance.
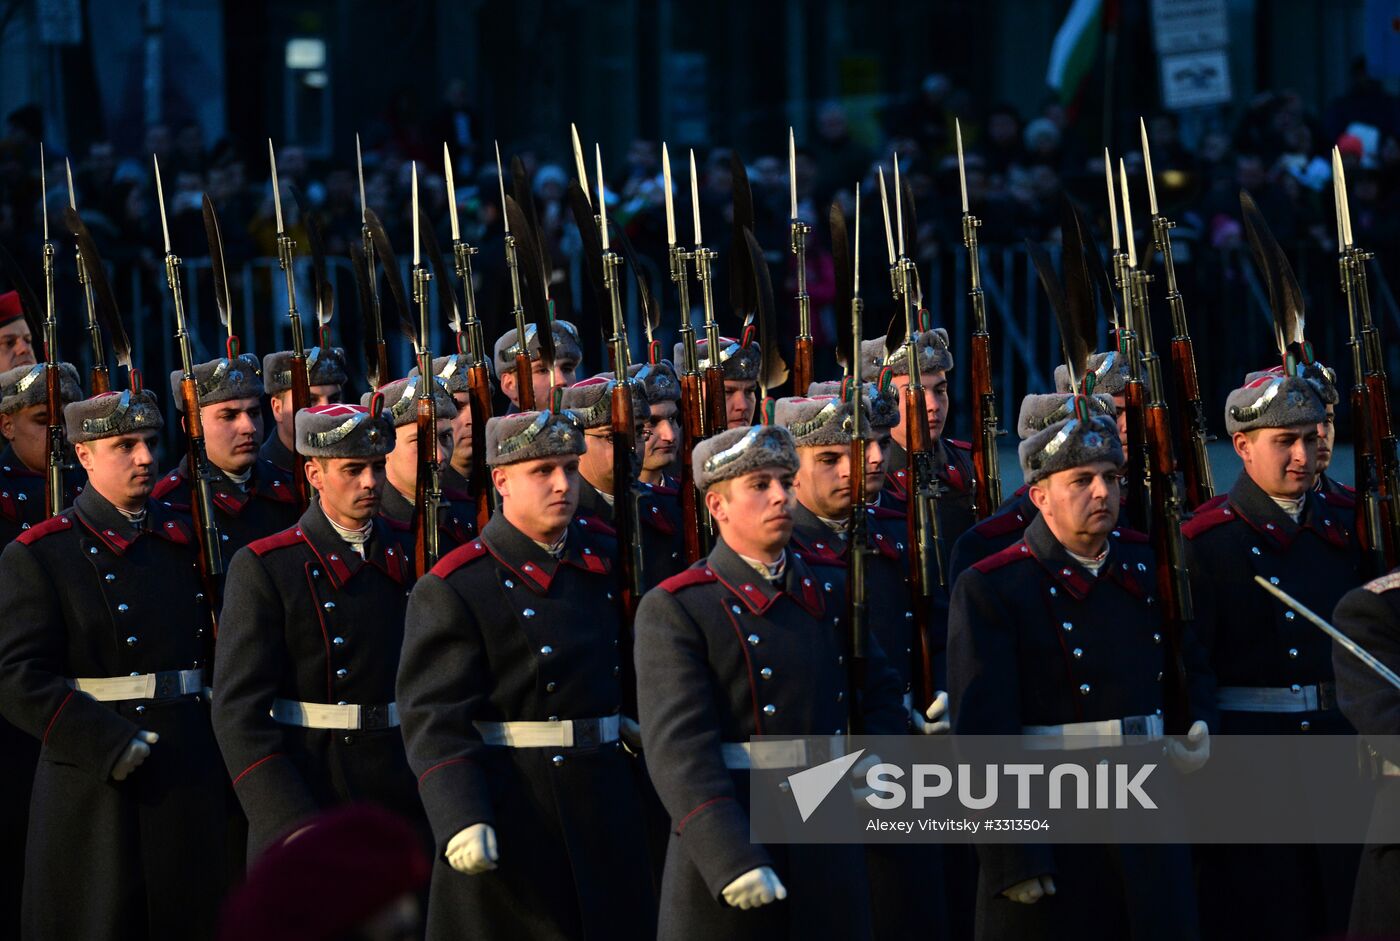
<point>567,356</point>
<point>309,643</point>
<point>102,660</point>
<point>1059,636</point>
<point>326,378</point>
<point>510,688</point>
<point>740,361</point>
<point>747,642</point>
<point>454,372</point>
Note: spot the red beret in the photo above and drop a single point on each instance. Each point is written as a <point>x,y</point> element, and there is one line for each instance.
<point>347,866</point>
<point>10,310</point>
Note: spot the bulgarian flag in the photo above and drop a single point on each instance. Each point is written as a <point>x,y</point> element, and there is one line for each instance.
<point>1075,48</point>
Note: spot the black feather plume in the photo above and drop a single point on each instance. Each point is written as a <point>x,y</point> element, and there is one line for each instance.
<point>1285,295</point>
<point>651,310</point>
<point>742,293</point>
<point>1055,293</point>
<point>1077,328</point>
<point>582,211</point>
<point>392,276</point>
<point>845,287</point>
<point>442,273</point>
<point>359,264</point>
<point>532,276</point>
<point>773,371</point>
<point>104,301</point>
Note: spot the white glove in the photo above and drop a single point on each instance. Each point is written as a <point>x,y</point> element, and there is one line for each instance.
<point>1032,890</point>
<point>934,720</point>
<point>754,888</point>
<point>1190,753</point>
<point>137,751</point>
<point>631,734</point>
<point>473,850</point>
<point>859,790</point>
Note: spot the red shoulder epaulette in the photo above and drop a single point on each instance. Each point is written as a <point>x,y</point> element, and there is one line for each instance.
<point>1130,535</point>
<point>694,576</point>
<point>885,513</point>
<point>167,483</point>
<point>1012,553</point>
<point>54,524</point>
<point>1000,524</point>
<point>282,540</point>
<point>1215,501</point>
<point>1204,522</point>
<point>965,445</point>
<point>466,552</point>
<point>593,524</point>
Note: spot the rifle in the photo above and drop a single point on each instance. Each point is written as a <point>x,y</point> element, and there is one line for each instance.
<point>716,415</point>
<point>802,367</point>
<point>694,522</point>
<point>525,386</point>
<point>301,388</point>
<point>427,487</point>
<point>925,535</point>
<point>56,458</point>
<point>99,380</point>
<point>1190,414</point>
<point>376,350</point>
<point>984,417</point>
<point>1377,464</point>
<point>472,340</point>
<point>206,527</point>
<point>1134,395</point>
<point>1376,665</point>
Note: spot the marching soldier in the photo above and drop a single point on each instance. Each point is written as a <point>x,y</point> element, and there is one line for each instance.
<point>510,693</point>
<point>567,355</point>
<point>741,362</point>
<point>1274,670</point>
<point>663,391</point>
<point>25,426</point>
<point>16,345</point>
<point>102,660</point>
<point>326,376</point>
<point>1057,635</point>
<point>252,497</point>
<point>882,411</point>
<point>451,371</point>
<point>304,684</point>
<point>401,468</point>
<point>1110,378</point>
<point>746,642</point>
<point>658,513</point>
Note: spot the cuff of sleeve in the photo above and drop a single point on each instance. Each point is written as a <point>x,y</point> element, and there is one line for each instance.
<point>715,837</point>
<point>274,797</point>
<point>455,795</point>
<point>89,734</point>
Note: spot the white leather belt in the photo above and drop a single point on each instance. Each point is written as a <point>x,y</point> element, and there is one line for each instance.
<point>1295,698</point>
<point>1106,733</point>
<point>167,684</point>
<point>744,756</point>
<point>564,733</point>
<point>320,715</point>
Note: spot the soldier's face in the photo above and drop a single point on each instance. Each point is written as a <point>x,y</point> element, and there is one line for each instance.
<point>935,405</point>
<point>1120,414</point>
<point>664,434</point>
<point>285,417</point>
<point>462,434</point>
<point>542,380</point>
<point>754,512</point>
<point>27,430</point>
<point>16,345</point>
<point>350,487</point>
<point>232,433</point>
<point>823,482</point>
<point>740,397</point>
<point>1080,505</point>
<point>877,451</point>
<point>121,468</point>
<point>401,466</point>
<point>1281,461</point>
<point>1326,437</point>
<point>539,497</point>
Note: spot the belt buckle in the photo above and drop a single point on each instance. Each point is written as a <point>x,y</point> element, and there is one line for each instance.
<point>1135,725</point>
<point>586,733</point>
<point>374,717</point>
<point>167,684</point>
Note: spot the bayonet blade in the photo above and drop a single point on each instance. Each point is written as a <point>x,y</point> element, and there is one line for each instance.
<point>578,162</point>
<point>160,202</point>
<point>276,190</point>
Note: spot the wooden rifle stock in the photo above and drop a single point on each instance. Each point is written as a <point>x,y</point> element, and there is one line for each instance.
<point>301,398</point>
<point>984,427</point>
<point>479,401</point>
<point>1190,420</point>
<point>524,382</point>
<point>1173,585</point>
<point>857,652</point>
<point>802,369</point>
<point>925,542</point>
<point>691,432</point>
<point>624,442</point>
<point>426,489</point>
<point>54,497</point>
<point>99,380</point>
<point>1137,469</point>
<point>716,410</point>
<point>206,536</point>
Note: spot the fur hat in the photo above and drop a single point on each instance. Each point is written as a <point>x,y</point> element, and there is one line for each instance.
<point>1273,401</point>
<point>658,380</point>
<point>1038,412</point>
<point>881,405</point>
<point>739,451</point>
<point>1323,378</point>
<point>324,367</point>
<point>1110,373</point>
<point>740,360</point>
<point>930,345</point>
<point>591,400</point>
<point>451,371</point>
<point>220,380</point>
<point>815,422</point>
<point>111,414</point>
<point>343,430</point>
<point>566,345</point>
<point>24,386</point>
<point>1070,443</point>
<point>529,436</point>
<point>400,400</point>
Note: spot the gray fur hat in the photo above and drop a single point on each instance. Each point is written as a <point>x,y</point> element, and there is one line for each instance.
<point>111,414</point>
<point>529,436</point>
<point>881,406</point>
<point>739,451</point>
<point>1110,373</point>
<point>344,430</point>
<point>931,346</point>
<point>24,386</point>
<point>401,405</point>
<point>1039,412</point>
<point>1323,379</point>
<point>740,361</point>
<point>658,380</point>
<point>815,422</point>
<point>324,367</point>
<point>591,400</point>
<point>451,371</point>
<point>1273,401</point>
<point>1070,443</point>
<point>220,380</point>
<point>566,345</point>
